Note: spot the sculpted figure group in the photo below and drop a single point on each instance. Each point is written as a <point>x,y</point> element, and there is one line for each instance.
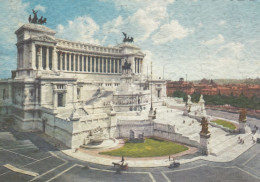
<point>35,19</point>
<point>127,39</point>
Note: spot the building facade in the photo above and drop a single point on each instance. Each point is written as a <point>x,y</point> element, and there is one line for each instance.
<point>67,89</point>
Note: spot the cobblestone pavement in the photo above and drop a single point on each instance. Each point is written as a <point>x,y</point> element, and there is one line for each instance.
<point>30,152</point>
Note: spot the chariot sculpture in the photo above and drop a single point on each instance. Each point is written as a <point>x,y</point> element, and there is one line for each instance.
<point>35,19</point>
<point>127,38</point>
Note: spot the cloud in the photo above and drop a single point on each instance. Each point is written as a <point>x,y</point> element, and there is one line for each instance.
<point>218,40</point>
<point>169,32</point>
<point>146,18</point>
<point>140,4</point>
<point>82,29</point>
<point>221,22</point>
<point>40,8</point>
<point>15,15</point>
<point>231,49</point>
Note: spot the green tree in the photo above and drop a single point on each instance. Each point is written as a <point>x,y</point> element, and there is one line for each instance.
<point>180,94</point>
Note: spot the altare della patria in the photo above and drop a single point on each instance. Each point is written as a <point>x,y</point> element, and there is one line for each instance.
<point>94,99</point>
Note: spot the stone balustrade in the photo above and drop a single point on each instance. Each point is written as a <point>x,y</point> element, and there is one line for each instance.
<point>88,47</point>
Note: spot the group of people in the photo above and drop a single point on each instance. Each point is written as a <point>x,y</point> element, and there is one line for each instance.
<point>240,140</point>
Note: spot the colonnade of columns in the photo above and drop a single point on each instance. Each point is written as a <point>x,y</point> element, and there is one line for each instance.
<point>48,59</point>
<point>87,63</point>
<point>44,57</point>
<point>138,65</point>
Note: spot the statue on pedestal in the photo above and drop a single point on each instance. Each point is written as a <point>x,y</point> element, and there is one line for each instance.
<point>204,124</point>
<point>126,66</point>
<point>242,115</point>
<point>242,121</point>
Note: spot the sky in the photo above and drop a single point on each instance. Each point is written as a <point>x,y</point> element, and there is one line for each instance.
<point>210,39</point>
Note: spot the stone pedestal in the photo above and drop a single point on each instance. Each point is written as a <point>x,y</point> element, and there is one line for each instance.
<point>204,143</point>
<point>242,126</point>
<point>151,115</point>
<point>242,121</point>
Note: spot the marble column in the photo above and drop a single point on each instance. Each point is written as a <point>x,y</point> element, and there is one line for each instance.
<point>118,67</point>
<point>113,65</point>
<point>37,95</point>
<point>47,58</point>
<point>82,62</point>
<point>74,62</point>
<point>90,63</point>
<point>55,98</point>
<point>110,60</point>
<point>141,66</point>
<point>86,63</point>
<point>33,55</point>
<point>69,68</point>
<point>61,61</point>
<point>65,61</point>
<point>78,62</point>
<point>106,64</point>
<point>54,59</point>
<point>40,58</point>
<point>100,65</point>
<point>95,65</point>
<point>138,65</point>
<point>42,101</point>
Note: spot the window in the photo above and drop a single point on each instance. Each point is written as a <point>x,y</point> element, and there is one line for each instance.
<point>60,86</point>
<point>78,93</point>
<point>61,102</point>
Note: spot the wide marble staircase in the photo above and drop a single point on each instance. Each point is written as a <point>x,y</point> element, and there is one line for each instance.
<point>220,141</point>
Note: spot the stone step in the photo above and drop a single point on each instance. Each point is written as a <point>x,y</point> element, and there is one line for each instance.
<point>195,137</point>
<point>219,139</point>
<point>218,149</point>
<point>239,147</point>
<point>190,132</point>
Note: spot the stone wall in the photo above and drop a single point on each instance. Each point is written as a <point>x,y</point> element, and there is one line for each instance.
<point>5,97</point>
<point>168,132</point>
<point>151,129</point>
<point>139,127</point>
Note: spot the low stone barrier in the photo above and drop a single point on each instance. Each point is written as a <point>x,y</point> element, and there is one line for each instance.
<point>223,128</point>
